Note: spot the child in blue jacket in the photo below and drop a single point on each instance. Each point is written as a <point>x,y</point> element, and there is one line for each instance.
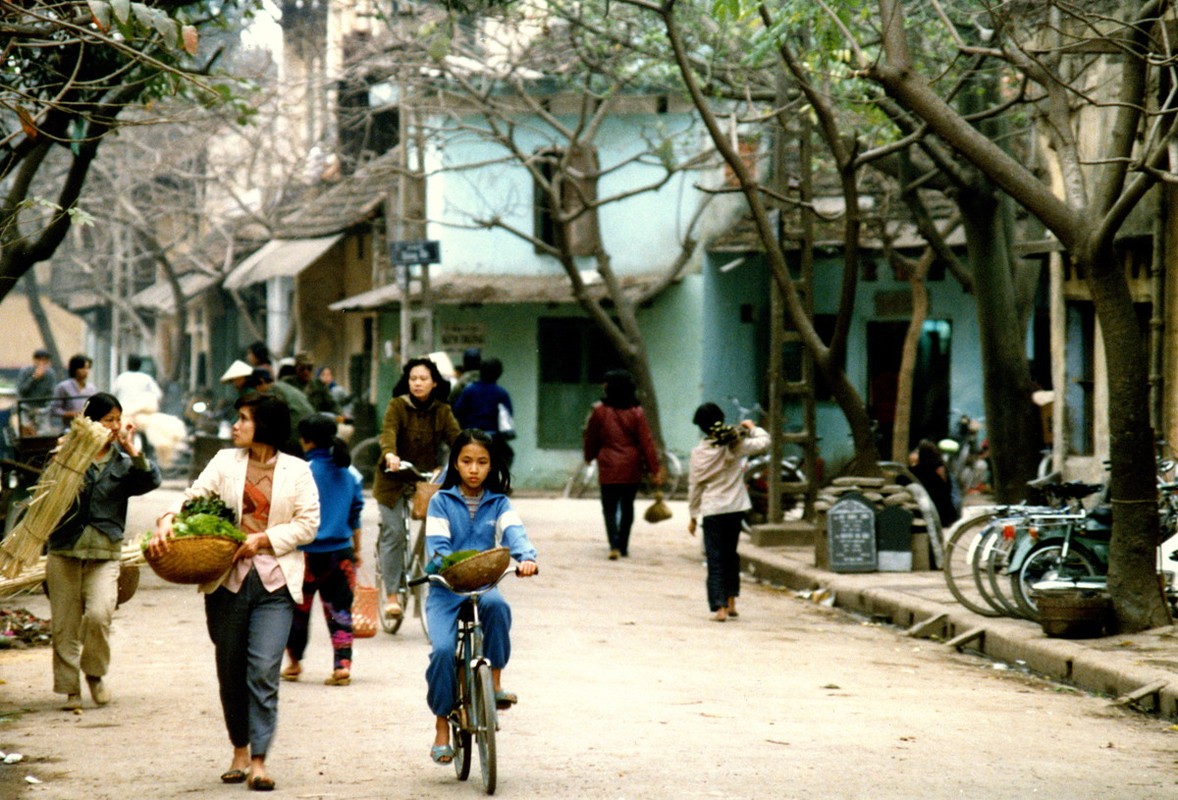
<point>331,559</point>
<point>470,512</point>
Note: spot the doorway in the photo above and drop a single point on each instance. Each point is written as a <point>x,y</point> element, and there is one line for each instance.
<point>930,380</point>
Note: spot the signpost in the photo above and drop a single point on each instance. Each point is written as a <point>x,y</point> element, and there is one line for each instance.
<point>417,333</point>
<point>422,251</point>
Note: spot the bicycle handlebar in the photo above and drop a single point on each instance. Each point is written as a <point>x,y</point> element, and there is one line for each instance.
<point>437,578</point>
<point>411,468</point>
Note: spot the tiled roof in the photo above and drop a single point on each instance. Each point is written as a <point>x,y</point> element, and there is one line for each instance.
<point>351,202</point>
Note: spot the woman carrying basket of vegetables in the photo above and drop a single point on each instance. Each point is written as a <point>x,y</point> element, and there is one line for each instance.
<point>249,609</point>
<point>82,569</point>
<point>470,512</point>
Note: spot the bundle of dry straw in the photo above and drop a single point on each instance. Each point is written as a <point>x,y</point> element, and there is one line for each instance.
<point>53,495</point>
<point>31,578</point>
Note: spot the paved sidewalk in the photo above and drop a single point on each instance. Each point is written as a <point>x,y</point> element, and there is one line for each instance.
<point>1141,669</point>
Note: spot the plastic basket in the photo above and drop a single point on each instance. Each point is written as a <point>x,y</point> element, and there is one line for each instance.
<point>477,571</point>
<point>193,559</point>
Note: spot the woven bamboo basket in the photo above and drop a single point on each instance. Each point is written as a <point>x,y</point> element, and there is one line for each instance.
<point>422,494</point>
<point>128,582</point>
<point>194,559</point>
<point>477,571</point>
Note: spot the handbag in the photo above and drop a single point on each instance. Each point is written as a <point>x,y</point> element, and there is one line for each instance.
<point>658,510</point>
<point>506,423</point>
<point>365,611</point>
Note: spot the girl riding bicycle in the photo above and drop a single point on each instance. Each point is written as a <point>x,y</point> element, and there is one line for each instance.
<point>470,512</point>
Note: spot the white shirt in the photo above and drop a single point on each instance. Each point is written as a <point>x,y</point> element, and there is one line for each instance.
<point>715,481</point>
<point>137,391</point>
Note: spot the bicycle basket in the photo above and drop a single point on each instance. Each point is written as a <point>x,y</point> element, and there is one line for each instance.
<point>478,570</point>
<point>421,496</point>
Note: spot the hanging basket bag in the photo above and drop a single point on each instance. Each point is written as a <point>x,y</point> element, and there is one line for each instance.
<point>421,497</point>
<point>365,611</point>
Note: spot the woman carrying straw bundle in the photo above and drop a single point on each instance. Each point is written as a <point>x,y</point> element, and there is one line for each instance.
<point>248,610</point>
<point>82,569</point>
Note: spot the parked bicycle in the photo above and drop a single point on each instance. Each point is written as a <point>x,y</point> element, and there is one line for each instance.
<point>583,481</point>
<point>475,718</point>
<point>413,559</point>
<point>998,561</point>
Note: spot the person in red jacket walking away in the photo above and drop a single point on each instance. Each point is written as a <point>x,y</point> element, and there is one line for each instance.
<point>618,436</point>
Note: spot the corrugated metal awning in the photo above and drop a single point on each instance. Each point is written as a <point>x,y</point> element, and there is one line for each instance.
<point>487,289</point>
<point>280,258</point>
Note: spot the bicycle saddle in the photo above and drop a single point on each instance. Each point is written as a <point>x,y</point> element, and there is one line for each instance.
<point>1073,490</point>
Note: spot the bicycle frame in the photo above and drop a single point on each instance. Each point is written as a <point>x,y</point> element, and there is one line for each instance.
<point>475,715</point>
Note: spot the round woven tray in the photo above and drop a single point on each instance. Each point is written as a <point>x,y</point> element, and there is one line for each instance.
<point>128,583</point>
<point>194,559</point>
<point>477,571</point>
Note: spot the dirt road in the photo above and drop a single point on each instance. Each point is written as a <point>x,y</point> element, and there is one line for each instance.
<point>627,691</point>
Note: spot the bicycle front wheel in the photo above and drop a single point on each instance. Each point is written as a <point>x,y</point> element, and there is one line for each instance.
<point>485,723</point>
<point>416,570</point>
<point>1046,562</point>
<point>960,550</point>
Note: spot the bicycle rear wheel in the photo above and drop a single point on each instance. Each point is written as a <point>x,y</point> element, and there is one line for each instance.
<point>959,552</point>
<point>486,721</point>
<point>581,480</point>
<point>461,745</point>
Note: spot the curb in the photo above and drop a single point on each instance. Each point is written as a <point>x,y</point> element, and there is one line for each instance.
<point>1146,687</point>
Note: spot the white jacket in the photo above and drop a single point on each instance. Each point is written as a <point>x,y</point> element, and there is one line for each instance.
<point>715,479</point>
<point>294,507</point>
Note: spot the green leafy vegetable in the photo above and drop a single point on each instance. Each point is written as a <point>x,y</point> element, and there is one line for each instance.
<point>203,516</point>
<point>454,558</point>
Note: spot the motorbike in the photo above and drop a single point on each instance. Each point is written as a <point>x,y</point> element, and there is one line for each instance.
<point>965,459</point>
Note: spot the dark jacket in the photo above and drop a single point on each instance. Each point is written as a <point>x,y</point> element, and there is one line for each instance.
<point>478,406</point>
<point>103,499</point>
<point>620,440</point>
<point>415,434</point>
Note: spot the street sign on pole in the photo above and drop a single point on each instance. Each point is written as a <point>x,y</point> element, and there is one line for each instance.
<point>424,251</point>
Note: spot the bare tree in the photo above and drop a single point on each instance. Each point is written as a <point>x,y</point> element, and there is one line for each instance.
<point>540,90</point>
<point>1102,178</point>
<point>73,70</point>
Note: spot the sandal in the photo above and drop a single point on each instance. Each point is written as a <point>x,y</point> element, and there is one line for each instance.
<point>337,679</point>
<point>261,783</point>
<point>505,699</point>
<point>234,776</point>
<point>291,673</point>
<point>442,754</point>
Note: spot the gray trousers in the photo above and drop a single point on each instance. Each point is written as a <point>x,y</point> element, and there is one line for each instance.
<point>390,541</point>
<point>249,630</point>
<point>82,598</point>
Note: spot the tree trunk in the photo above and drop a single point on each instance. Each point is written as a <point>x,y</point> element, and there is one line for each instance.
<point>1132,579</point>
<point>902,430</point>
<point>1012,420</point>
<point>33,292</point>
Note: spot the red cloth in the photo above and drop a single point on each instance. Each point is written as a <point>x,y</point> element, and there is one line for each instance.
<point>620,440</point>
